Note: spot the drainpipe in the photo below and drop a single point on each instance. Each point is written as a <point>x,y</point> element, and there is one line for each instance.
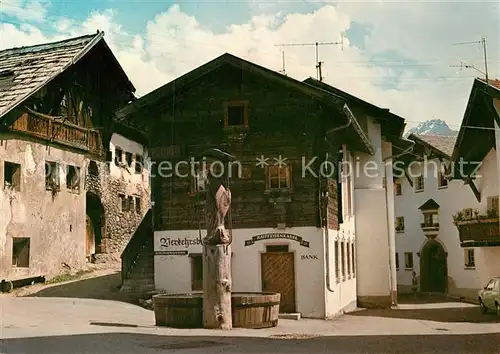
<point>326,231</point>
<point>410,149</point>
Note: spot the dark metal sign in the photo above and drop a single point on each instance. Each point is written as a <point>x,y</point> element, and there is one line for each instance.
<point>278,235</point>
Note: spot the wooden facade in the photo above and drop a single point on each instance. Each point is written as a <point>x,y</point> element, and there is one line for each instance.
<point>250,114</point>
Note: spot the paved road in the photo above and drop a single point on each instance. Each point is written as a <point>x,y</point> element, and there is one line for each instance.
<point>71,325</point>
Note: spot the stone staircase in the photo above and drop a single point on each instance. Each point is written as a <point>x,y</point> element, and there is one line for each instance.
<point>138,260</point>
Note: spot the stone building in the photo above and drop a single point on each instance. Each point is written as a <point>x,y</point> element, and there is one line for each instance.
<point>66,195</point>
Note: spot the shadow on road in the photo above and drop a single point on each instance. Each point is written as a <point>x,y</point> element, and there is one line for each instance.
<point>443,314</point>
<point>144,343</point>
<point>104,287</point>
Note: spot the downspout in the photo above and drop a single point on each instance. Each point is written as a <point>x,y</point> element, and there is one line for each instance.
<point>326,231</point>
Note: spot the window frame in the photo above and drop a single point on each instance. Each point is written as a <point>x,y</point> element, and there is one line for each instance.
<point>419,178</point>
<point>15,175</point>
<point>468,255</point>
<point>236,103</point>
<point>407,266</point>
<point>288,177</point>
<point>55,185</point>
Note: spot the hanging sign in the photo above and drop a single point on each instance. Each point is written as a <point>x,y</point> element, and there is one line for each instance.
<point>185,242</point>
<point>278,235</point>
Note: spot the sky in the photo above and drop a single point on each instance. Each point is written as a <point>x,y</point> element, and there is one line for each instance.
<point>401,55</point>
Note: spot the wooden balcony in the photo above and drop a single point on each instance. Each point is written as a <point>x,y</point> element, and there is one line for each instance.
<point>60,131</point>
<point>429,226</point>
<point>479,232</point>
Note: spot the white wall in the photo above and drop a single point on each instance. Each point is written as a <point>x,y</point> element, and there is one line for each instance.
<point>173,272</point>
<point>372,235</point>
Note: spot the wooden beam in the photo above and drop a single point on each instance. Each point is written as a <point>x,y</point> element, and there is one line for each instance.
<point>476,192</point>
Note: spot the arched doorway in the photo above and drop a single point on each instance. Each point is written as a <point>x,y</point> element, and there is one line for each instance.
<point>433,268</point>
<point>94,232</point>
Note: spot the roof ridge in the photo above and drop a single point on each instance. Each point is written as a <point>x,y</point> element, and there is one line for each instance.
<point>45,44</point>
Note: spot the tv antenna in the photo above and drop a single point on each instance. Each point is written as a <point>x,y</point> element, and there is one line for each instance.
<point>470,66</point>
<point>319,64</point>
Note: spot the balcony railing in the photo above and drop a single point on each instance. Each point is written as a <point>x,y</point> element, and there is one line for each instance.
<point>429,225</point>
<point>58,130</point>
<point>480,232</point>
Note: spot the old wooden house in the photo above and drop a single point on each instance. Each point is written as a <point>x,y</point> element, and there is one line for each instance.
<point>297,229</point>
<point>62,198</point>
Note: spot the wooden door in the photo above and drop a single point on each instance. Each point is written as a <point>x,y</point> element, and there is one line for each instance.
<point>278,275</point>
<point>89,236</point>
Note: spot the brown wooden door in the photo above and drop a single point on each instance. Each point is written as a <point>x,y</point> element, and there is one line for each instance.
<point>278,275</point>
<point>89,236</point>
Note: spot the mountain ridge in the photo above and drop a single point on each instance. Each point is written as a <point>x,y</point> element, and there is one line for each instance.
<point>435,127</point>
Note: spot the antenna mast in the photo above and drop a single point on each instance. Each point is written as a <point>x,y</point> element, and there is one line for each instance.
<point>319,64</point>
<point>470,66</point>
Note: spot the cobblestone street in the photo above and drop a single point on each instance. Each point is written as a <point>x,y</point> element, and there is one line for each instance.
<point>64,325</point>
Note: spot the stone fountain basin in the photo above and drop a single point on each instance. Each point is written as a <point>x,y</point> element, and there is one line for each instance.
<point>249,310</point>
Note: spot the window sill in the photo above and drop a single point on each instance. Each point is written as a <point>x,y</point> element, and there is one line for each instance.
<point>74,190</point>
<point>442,187</point>
<point>470,267</point>
<point>400,231</point>
<point>409,269</point>
<point>419,190</point>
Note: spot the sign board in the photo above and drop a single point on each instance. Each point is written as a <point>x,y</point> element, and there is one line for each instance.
<point>171,253</point>
<point>167,242</point>
<point>278,235</point>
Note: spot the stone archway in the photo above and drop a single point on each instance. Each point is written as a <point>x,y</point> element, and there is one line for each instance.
<point>433,268</point>
<point>95,222</point>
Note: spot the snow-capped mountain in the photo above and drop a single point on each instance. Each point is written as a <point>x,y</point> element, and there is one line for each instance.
<point>433,127</point>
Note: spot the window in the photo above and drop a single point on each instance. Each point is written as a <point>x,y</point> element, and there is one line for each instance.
<point>342,258</point>
<point>21,252</point>
<point>419,183</point>
<point>73,178</point>
<point>199,182</point>
<point>236,114</point>
<point>400,224</point>
<point>442,180</point>
<point>409,260</point>
<point>130,203</point>
<point>492,203</point>
<point>398,189</point>
<point>397,261</point>
<point>337,263</point>
<point>93,169</point>
<point>278,177</point>
<point>277,248</point>
<point>12,175</point>
<point>138,164</point>
<point>138,205</point>
<point>118,156</point>
<point>52,176</point>
<point>469,258</point>
<point>124,202</point>
<point>353,260</point>
<point>430,219</point>
<point>128,158</point>
<point>196,272</point>
<point>348,254</point>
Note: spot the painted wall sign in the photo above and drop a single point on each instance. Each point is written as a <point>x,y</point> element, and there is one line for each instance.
<point>179,242</point>
<point>171,253</point>
<point>277,235</point>
<point>309,256</point>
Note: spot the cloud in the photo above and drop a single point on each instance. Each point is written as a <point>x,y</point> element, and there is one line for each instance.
<point>26,10</point>
<point>403,64</point>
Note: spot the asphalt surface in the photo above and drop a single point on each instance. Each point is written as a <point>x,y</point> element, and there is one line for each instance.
<point>73,325</point>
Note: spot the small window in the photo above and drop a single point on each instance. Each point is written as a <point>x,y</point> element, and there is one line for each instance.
<point>93,169</point>
<point>52,182</point>
<point>397,261</point>
<point>199,182</point>
<point>118,156</point>
<point>124,202</point>
<point>277,248</point>
<point>442,180</point>
<point>353,255</point>
<point>469,258</point>
<point>337,263</point>
<point>342,258</point>
<point>12,175</point>
<point>348,254</point>
<point>196,272</point>
<point>400,224</point>
<point>138,205</point>
<point>138,164</point>
<point>73,178</point>
<point>128,158</point>
<point>419,183</point>
<point>398,189</point>
<point>278,177</point>
<point>21,252</point>
<point>236,114</point>
<point>408,260</point>
<point>431,219</point>
<point>130,203</point>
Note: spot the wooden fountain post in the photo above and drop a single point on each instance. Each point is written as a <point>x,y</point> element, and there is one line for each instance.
<point>217,249</point>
